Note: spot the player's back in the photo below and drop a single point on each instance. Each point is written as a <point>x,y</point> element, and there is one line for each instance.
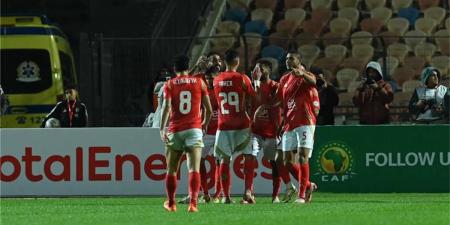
<point>231,89</point>
<point>185,93</point>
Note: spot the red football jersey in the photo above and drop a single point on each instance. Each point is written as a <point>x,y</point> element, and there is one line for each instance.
<point>231,90</point>
<point>266,123</point>
<point>300,101</point>
<point>212,126</point>
<point>185,93</point>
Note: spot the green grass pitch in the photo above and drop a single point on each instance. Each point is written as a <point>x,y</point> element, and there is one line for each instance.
<point>326,208</point>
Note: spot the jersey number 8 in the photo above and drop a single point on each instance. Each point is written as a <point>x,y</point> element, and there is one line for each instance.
<point>185,102</point>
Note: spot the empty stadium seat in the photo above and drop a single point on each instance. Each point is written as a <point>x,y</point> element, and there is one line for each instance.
<point>411,14</point>
<point>426,25</point>
<point>415,63</point>
<point>399,4</point>
<point>222,42</point>
<point>340,26</point>
<point>268,4</point>
<point>313,26</point>
<point>236,14</point>
<point>403,74</point>
<point>243,4</point>
<point>436,13</point>
<point>398,51</point>
<point>348,3</point>
<point>351,14</point>
<point>322,14</point>
<point>279,39</point>
<point>442,63</point>
<point>398,25</point>
<point>321,4</point>
<point>401,99</point>
<point>332,38</point>
<point>275,52</point>
<point>253,40</point>
<point>288,27</point>
<point>345,76</point>
<point>414,37</point>
<point>296,14</point>
<point>363,51</point>
<point>305,38</point>
<point>391,64</point>
<point>447,23</point>
<point>289,4</point>
<point>309,54</point>
<point>263,14</point>
<point>371,25</point>
<point>326,63</point>
<point>425,4</point>
<point>372,4</point>
<point>410,86</point>
<point>425,50</point>
<point>354,84</point>
<point>382,13</point>
<point>361,37</point>
<point>354,63</point>
<point>256,26</point>
<point>441,36</point>
<point>336,51</point>
<point>390,37</point>
<point>229,27</point>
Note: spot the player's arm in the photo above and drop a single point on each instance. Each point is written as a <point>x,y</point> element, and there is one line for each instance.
<point>309,77</point>
<point>206,105</point>
<point>165,111</point>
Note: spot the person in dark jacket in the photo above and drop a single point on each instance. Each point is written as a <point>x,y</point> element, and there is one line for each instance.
<point>373,96</point>
<point>328,98</point>
<point>69,112</point>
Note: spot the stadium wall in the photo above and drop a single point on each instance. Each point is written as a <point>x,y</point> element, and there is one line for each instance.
<point>130,161</point>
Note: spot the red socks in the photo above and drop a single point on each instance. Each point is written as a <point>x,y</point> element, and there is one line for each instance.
<point>204,177</point>
<point>218,183</point>
<point>276,179</point>
<point>294,169</point>
<point>194,186</point>
<point>248,173</point>
<point>171,187</point>
<point>225,178</point>
<point>283,173</point>
<point>304,180</point>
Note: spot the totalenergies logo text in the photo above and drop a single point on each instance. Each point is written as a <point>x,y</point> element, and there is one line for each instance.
<point>335,162</point>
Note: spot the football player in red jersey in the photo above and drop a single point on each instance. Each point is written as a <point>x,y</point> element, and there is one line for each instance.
<point>265,129</point>
<point>184,96</point>
<point>300,101</point>
<point>233,133</point>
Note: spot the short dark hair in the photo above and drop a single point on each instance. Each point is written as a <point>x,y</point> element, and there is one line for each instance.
<point>231,56</point>
<point>211,53</point>
<point>295,52</point>
<point>181,63</point>
<point>70,86</point>
<point>265,62</point>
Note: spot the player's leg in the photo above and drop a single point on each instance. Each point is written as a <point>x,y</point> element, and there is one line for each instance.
<point>217,182</point>
<point>209,144</point>
<point>193,161</point>
<point>290,156</point>
<point>225,178</point>
<point>291,191</point>
<point>172,160</point>
<point>242,140</point>
<point>269,154</point>
<point>306,134</point>
<point>194,143</point>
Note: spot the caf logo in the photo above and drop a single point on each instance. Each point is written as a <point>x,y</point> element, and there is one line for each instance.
<point>335,162</point>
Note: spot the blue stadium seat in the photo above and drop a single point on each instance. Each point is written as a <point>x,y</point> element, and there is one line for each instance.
<point>256,26</point>
<point>237,15</point>
<point>411,14</point>
<point>275,52</point>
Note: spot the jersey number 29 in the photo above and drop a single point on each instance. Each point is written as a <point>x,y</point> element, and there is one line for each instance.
<point>232,98</point>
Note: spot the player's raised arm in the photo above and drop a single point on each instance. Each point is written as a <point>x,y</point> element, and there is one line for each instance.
<point>206,105</point>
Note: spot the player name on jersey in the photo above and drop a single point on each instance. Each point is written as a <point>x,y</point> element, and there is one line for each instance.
<point>185,81</point>
<point>226,83</point>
